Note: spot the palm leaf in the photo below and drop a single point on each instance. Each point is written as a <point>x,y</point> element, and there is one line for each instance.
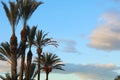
<point>31,35</point>
<point>27,8</point>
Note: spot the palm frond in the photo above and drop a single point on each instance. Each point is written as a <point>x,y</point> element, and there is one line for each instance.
<point>27,8</point>
<point>42,41</point>
<point>31,35</point>
<point>32,70</point>
<point>6,10</point>
<point>5,52</point>
<point>2,77</point>
<point>12,13</point>
<point>52,60</point>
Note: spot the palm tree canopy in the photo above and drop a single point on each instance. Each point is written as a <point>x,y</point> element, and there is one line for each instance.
<point>49,60</point>
<point>27,7</point>
<point>12,13</point>
<point>5,54</point>
<point>42,41</point>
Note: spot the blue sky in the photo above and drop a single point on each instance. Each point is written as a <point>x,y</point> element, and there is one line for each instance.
<point>87,32</point>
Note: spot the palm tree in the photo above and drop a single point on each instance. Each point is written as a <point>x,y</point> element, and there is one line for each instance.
<point>27,8</point>
<point>42,41</point>
<point>49,62</point>
<point>30,38</point>
<point>13,17</point>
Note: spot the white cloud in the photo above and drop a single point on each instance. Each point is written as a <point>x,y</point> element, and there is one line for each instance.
<point>107,35</point>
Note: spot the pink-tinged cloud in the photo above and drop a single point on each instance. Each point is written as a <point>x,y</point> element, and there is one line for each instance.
<point>107,35</point>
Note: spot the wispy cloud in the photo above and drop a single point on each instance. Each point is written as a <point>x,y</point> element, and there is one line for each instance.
<point>92,71</point>
<point>116,0</point>
<point>68,46</point>
<point>107,35</point>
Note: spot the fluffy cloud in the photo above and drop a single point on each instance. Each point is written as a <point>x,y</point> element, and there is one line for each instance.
<point>92,71</point>
<point>107,35</point>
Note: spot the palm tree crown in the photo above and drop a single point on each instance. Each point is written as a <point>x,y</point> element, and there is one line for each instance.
<point>49,62</point>
<point>27,7</point>
<point>13,14</point>
<point>42,41</point>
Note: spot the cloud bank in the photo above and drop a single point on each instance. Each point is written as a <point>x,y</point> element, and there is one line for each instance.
<point>107,35</point>
<point>83,71</point>
<point>91,71</point>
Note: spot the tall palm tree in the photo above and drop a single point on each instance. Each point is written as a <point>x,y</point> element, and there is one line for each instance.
<point>27,8</point>
<point>13,17</point>
<point>42,41</point>
<point>50,61</point>
<point>31,41</point>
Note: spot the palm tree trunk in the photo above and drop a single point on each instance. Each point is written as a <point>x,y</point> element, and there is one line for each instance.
<point>47,74</point>
<point>23,39</point>
<point>22,64</point>
<point>39,51</point>
<point>13,50</point>
<point>39,67</point>
<point>29,60</point>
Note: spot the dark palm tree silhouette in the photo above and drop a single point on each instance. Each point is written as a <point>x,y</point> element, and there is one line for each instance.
<point>30,40</point>
<point>27,8</point>
<point>42,41</point>
<point>49,62</point>
<point>12,14</point>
